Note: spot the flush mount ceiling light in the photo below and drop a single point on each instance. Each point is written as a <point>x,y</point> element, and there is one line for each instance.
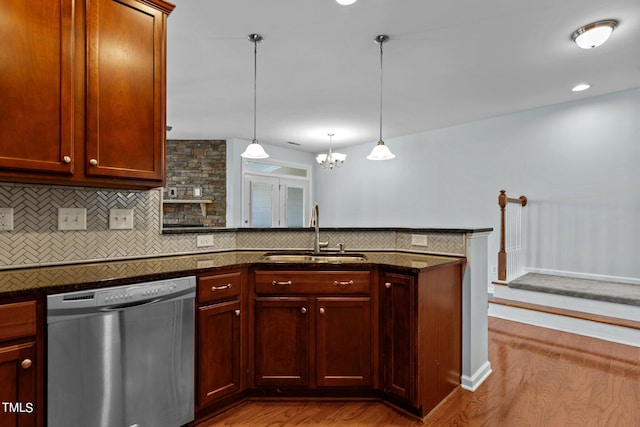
<point>331,160</point>
<point>346,2</point>
<point>254,150</point>
<point>381,151</point>
<point>594,34</point>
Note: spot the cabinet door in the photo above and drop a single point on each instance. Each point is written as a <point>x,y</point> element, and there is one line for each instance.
<point>36,82</point>
<point>282,341</point>
<point>344,341</point>
<point>399,329</point>
<point>18,385</point>
<point>218,351</point>
<point>125,90</point>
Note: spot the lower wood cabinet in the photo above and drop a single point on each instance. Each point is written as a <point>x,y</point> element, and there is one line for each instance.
<point>343,338</point>
<point>422,335</point>
<point>390,332</point>
<point>317,331</point>
<point>219,353</point>
<point>21,367</point>
<point>282,341</point>
<point>221,358</point>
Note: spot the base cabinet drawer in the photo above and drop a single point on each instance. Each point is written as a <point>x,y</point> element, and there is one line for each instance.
<point>312,282</point>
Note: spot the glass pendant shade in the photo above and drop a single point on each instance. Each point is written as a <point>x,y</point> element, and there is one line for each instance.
<point>254,151</point>
<point>593,35</point>
<point>381,152</point>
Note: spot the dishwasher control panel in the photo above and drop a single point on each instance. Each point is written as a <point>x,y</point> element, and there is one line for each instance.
<point>125,294</point>
<point>135,293</point>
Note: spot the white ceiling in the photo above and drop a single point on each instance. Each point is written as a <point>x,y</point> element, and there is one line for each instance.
<point>448,62</point>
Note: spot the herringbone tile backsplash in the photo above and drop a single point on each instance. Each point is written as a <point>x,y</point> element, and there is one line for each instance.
<point>36,240</point>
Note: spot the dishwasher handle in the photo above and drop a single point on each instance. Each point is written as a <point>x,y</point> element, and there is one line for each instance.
<point>126,305</point>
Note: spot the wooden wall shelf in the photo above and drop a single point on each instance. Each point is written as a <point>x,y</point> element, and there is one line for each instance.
<point>202,202</point>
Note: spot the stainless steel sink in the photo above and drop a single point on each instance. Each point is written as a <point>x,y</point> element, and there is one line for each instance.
<point>330,258</point>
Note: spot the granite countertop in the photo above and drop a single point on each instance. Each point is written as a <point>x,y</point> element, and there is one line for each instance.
<point>65,278</point>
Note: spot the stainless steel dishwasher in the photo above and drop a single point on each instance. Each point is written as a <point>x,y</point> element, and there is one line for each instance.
<point>122,356</point>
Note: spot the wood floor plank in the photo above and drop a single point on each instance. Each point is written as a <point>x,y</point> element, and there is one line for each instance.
<point>541,377</point>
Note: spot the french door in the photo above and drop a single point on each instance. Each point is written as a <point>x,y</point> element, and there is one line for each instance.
<point>274,202</point>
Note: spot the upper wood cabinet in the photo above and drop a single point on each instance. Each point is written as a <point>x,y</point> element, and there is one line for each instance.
<point>37,75</point>
<point>86,92</point>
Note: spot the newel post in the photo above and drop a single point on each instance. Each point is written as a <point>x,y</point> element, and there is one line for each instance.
<point>502,254</point>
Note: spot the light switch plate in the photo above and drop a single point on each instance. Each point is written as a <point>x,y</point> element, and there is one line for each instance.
<point>120,219</point>
<point>6,219</point>
<point>72,219</point>
<point>419,240</point>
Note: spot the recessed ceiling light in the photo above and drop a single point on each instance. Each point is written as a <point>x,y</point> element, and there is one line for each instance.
<point>594,34</point>
<point>346,2</point>
<point>581,87</point>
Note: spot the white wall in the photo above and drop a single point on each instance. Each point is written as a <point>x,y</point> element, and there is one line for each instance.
<point>578,163</point>
<point>235,147</point>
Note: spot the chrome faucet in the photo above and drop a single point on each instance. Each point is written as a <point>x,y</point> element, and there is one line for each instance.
<point>315,223</point>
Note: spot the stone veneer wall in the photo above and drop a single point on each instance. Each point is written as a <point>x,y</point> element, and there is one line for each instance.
<point>36,240</point>
<point>201,164</point>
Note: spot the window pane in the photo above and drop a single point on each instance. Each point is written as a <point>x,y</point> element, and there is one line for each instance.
<point>295,200</point>
<point>261,205</point>
<point>275,169</point>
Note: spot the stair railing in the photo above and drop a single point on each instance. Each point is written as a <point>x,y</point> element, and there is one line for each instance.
<point>510,256</point>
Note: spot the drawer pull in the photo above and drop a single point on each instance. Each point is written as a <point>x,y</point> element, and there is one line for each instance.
<point>93,162</point>
<point>387,285</point>
<point>26,363</point>
<point>343,282</point>
<point>221,288</point>
<point>284,283</point>
<point>66,159</point>
<point>303,310</point>
<point>321,310</point>
<point>237,312</point>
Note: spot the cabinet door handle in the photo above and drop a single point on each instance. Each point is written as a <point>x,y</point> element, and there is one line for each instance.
<point>321,310</point>
<point>303,310</point>
<point>237,312</point>
<point>221,288</point>
<point>93,162</point>
<point>26,363</point>
<point>343,282</point>
<point>284,283</point>
<point>387,285</point>
<point>66,159</point>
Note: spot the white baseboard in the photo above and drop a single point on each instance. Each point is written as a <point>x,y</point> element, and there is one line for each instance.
<point>473,382</point>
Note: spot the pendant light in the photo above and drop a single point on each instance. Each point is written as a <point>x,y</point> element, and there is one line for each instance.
<point>381,151</point>
<point>254,150</point>
<point>331,160</point>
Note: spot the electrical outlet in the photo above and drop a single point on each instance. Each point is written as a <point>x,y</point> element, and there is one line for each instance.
<point>204,240</point>
<point>494,269</point>
<point>173,192</point>
<point>72,219</point>
<point>120,219</point>
<point>197,192</point>
<point>419,240</point>
<point>6,219</point>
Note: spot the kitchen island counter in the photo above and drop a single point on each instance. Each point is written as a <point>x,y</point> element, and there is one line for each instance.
<point>65,278</point>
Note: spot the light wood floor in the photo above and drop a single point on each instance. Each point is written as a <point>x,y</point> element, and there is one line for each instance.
<point>540,378</point>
